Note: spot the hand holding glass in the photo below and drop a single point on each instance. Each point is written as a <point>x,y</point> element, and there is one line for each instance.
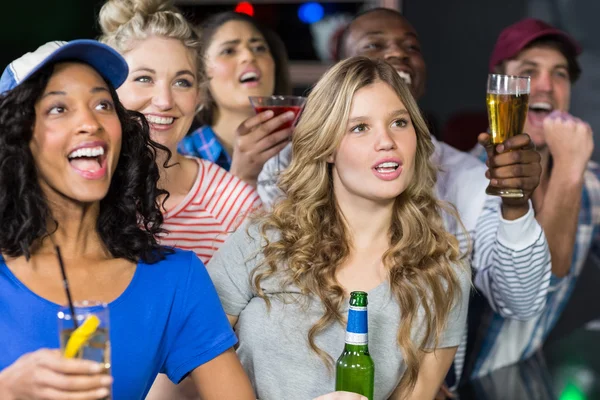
<point>507,104</point>
<point>279,105</point>
<point>93,344</point>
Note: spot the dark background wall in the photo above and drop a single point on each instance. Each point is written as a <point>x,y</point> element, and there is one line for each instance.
<point>457,38</point>
<point>26,24</point>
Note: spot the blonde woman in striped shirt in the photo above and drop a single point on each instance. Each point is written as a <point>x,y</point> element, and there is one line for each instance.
<point>205,203</point>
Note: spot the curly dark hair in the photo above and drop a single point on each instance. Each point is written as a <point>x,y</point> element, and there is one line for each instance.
<point>130,219</point>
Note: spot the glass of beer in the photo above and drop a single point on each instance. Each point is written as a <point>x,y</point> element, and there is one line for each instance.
<point>507,104</point>
<point>94,344</point>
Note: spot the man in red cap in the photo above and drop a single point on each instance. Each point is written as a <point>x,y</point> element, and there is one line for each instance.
<point>567,200</point>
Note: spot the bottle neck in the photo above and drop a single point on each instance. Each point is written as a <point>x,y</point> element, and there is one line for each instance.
<point>357,328</point>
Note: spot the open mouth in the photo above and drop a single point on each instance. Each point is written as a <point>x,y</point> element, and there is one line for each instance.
<point>249,77</point>
<point>405,76</point>
<point>541,109</point>
<point>387,167</point>
<point>88,159</point>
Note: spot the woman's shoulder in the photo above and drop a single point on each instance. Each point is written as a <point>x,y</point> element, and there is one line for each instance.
<point>216,178</point>
<point>176,256</point>
<point>245,245</point>
<point>174,262</point>
<point>213,179</point>
<point>253,234</point>
<point>462,269</point>
<point>176,272</point>
<point>226,195</point>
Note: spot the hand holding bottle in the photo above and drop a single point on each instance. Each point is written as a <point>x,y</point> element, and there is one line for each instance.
<point>341,396</point>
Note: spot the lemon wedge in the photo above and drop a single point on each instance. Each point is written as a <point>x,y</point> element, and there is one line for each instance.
<point>81,335</point>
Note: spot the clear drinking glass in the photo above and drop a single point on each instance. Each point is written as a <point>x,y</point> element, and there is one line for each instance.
<point>97,346</point>
<point>507,104</point>
<point>279,105</point>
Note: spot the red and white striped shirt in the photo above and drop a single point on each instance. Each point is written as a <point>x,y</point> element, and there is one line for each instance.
<point>213,209</point>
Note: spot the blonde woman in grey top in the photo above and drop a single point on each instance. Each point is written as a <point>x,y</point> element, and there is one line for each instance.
<point>359,214</point>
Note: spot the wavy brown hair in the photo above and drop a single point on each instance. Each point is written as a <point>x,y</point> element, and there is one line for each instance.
<point>313,237</point>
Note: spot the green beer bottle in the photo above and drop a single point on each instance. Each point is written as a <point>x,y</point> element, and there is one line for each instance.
<point>355,371</point>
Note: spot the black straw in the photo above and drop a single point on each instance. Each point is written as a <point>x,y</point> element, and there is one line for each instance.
<point>66,285</point>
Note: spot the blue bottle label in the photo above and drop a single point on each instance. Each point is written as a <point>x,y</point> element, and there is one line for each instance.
<point>357,329</point>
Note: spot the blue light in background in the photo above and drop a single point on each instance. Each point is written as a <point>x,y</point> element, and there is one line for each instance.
<point>309,13</point>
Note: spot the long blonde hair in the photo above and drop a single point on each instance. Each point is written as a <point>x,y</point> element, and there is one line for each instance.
<point>314,239</point>
<point>125,21</point>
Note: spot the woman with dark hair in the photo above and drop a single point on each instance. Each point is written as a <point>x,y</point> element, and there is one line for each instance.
<point>242,59</point>
<point>78,171</point>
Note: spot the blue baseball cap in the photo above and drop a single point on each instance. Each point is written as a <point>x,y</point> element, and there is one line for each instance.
<point>105,60</point>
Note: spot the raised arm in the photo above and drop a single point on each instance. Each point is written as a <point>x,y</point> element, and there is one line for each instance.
<point>511,258</point>
<point>570,142</point>
<point>257,140</point>
<point>511,261</point>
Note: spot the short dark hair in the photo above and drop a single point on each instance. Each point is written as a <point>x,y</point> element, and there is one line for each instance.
<point>209,27</point>
<point>340,49</point>
<point>130,219</point>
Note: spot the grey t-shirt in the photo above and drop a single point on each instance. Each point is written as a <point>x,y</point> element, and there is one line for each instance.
<point>273,345</point>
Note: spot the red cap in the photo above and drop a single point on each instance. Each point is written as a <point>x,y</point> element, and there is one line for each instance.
<point>517,36</point>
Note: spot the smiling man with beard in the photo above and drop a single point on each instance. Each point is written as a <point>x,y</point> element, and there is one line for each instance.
<point>510,258</point>
<point>567,200</point>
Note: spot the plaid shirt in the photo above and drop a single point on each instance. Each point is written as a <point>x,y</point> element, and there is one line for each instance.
<point>499,341</point>
<point>203,143</point>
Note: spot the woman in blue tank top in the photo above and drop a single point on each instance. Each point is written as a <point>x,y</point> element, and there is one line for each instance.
<point>78,171</point>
